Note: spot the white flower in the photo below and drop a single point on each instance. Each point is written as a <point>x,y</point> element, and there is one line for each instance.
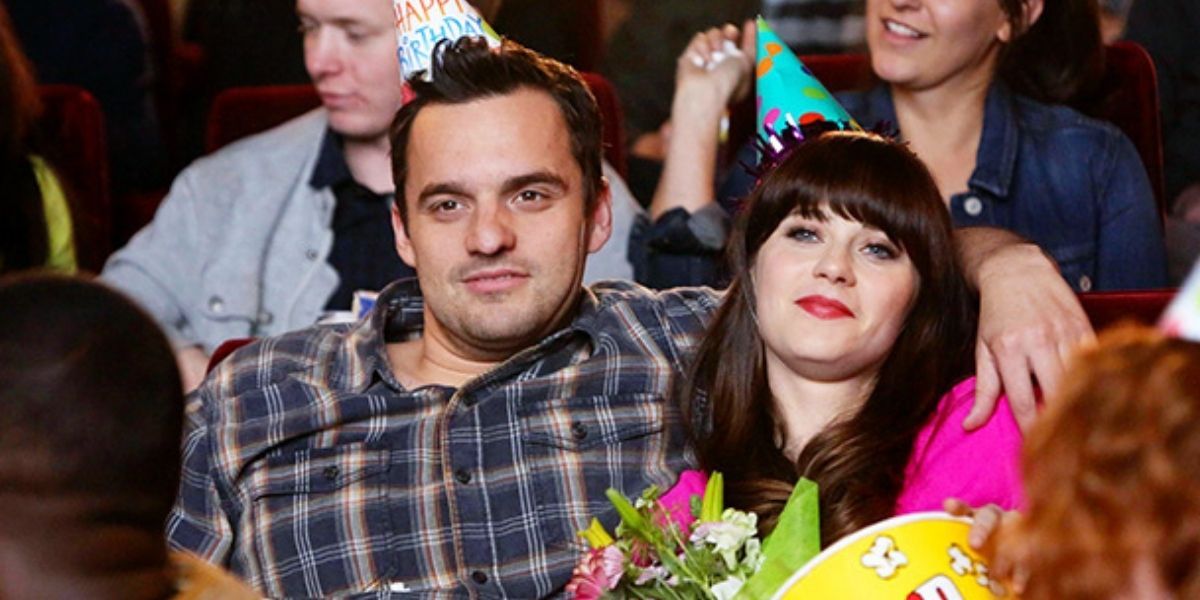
<point>651,573</point>
<point>728,534</point>
<point>727,589</point>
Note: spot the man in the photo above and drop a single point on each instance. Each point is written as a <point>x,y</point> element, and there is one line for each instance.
<point>90,420</point>
<point>279,230</point>
<point>455,441</point>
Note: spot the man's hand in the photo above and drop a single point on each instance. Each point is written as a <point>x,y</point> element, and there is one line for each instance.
<point>1030,322</point>
<point>193,366</point>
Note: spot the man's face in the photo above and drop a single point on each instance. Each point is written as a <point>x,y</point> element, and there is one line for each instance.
<point>350,53</point>
<point>497,229</point>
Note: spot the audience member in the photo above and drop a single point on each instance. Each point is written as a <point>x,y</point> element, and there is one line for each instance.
<point>974,88</point>
<point>639,60</point>
<point>90,421</point>
<point>1170,31</point>
<point>1113,494</point>
<point>35,217</point>
<point>101,45</point>
<point>272,233</point>
<point>456,441</point>
<point>841,352</point>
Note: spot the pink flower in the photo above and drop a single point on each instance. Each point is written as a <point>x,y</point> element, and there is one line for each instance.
<point>598,572</point>
<point>678,500</point>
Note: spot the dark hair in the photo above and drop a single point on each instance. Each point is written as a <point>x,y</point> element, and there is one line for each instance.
<point>24,241</point>
<point>468,69</point>
<point>90,398</point>
<point>858,463</point>
<point>1060,58</point>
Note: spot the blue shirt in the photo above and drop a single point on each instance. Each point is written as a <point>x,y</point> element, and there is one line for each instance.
<point>1071,184</point>
<point>311,471</point>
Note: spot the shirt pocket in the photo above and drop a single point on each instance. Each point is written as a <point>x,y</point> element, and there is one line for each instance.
<point>1077,263</point>
<point>319,521</point>
<point>577,448</point>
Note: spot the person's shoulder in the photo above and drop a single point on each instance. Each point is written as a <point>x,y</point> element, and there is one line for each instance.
<point>1051,120</point>
<point>262,363</point>
<point>612,293</point>
<point>285,138</point>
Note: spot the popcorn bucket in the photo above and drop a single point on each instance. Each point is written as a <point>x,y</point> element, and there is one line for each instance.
<point>922,556</point>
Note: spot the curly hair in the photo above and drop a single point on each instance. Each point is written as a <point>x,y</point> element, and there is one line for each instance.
<point>1111,472</point>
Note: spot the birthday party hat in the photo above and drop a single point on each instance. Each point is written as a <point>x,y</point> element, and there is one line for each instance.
<point>421,24</point>
<point>1182,317</point>
<point>789,97</point>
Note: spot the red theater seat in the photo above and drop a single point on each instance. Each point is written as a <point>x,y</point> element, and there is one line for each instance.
<point>72,127</point>
<point>1108,308</point>
<point>239,112</point>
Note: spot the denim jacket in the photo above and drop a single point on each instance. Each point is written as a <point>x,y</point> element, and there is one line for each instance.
<point>1071,184</point>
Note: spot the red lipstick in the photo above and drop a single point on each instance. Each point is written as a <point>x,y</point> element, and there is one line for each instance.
<point>824,308</point>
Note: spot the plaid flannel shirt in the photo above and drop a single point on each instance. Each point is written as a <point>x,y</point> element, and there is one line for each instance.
<point>311,472</point>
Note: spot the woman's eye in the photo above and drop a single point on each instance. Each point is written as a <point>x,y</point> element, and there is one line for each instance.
<point>803,234</point>
<point>881,251</point>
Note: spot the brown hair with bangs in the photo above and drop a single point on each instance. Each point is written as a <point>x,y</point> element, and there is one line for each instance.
<point>858,463</point>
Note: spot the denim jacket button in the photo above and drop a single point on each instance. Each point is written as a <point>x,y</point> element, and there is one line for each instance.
<point>1085,284</point>
<point>973,206</point>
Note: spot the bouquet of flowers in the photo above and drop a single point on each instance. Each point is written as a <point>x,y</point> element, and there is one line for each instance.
<point>687,544</point>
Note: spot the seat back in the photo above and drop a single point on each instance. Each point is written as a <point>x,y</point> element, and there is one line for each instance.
<point>239,112</point>
<point>1108,308</point>
<point>72,127</point>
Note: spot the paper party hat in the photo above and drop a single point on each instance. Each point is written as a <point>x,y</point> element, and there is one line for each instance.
<point>789,96</point>
<point>421,24</point>
<point>1182,317</point>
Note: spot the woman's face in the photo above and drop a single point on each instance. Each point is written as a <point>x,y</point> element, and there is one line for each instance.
<point>831,296</point>
<point>921,44</point>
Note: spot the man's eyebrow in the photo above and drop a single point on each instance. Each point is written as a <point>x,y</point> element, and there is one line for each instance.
<point>448,188</point>
<point>539,177</point>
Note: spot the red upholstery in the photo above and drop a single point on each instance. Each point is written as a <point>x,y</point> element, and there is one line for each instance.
<point>1131,102</point>
<point>239,112</point>
<point>1130,93</point>
<point>225,349</point>
<point>72,127</point>
<point>1108,308</point>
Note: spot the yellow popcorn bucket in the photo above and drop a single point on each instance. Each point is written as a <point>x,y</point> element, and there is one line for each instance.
<point>922,556</point>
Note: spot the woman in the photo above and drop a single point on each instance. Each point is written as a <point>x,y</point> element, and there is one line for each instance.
<point>975,87</point>
<point>35,219</point>
<point>847,320</point>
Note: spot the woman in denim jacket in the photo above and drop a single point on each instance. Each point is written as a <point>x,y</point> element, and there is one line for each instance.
<point>975,87</point>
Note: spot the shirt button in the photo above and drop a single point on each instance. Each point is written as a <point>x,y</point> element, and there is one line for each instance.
<point>479,577</point>
<point>1085,284</point>
<point>331,473</point>
<point>579,431</point>
<point>973,206</point>
<point>310,254</point>
<point>463,476</point>
<point>265,318</point>
<point>216,304</point>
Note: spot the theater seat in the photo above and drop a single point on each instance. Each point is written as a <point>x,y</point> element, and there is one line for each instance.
<point>1108,308</point>
<point>72,129</point>
<point>225,349</point>
<point>239,112</point>
<point>1128,98</point>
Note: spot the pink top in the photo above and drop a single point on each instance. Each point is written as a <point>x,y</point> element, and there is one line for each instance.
<point>978,467</point>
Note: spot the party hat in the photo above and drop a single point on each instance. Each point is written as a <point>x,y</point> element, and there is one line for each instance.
<point>1182,317</point>
<point>421,24</point>
<point>789,96</point>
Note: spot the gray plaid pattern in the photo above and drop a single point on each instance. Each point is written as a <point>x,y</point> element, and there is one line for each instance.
<point>311,472</point>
